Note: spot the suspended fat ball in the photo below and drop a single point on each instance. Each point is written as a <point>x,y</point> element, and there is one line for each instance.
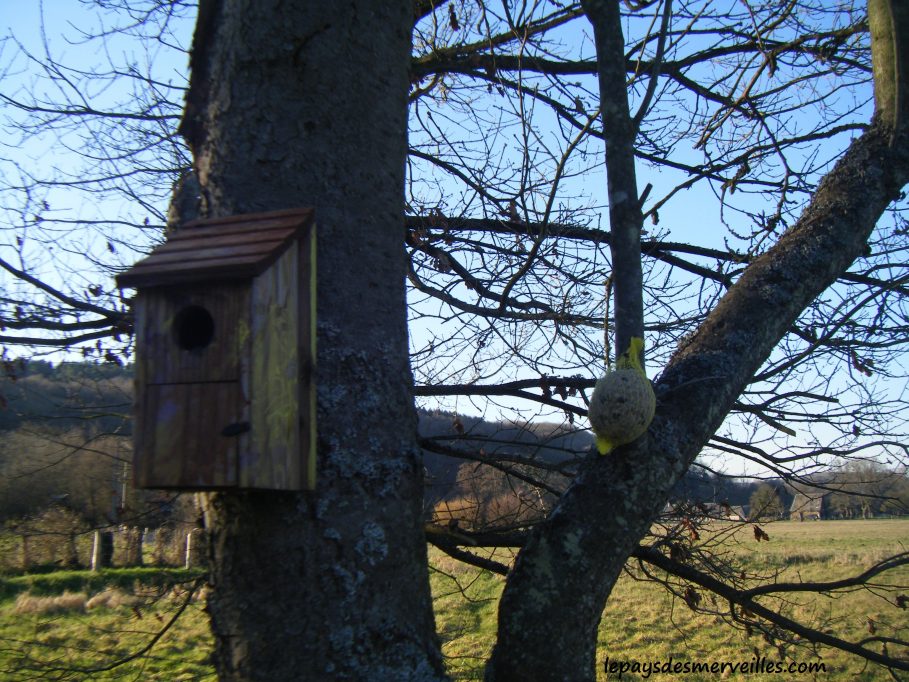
<point>623,402</point>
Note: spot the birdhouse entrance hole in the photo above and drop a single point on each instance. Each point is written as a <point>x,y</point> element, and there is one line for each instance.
<point>194,328</point>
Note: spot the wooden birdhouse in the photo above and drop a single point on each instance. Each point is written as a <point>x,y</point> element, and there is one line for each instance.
<point>225,355</point>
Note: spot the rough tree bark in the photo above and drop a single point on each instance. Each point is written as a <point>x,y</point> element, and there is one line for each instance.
<point>305,104</point>
<point>566,571</point>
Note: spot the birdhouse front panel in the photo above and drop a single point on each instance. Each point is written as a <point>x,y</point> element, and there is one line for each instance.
<point>190,340</point>
<point>183,439</point>
<point>225,355</point>
<point>193,333</point>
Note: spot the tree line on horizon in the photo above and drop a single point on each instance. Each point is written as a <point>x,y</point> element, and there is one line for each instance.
<point>66,445</point>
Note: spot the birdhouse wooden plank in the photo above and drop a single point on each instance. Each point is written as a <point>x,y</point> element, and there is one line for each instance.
<point>225,355</point>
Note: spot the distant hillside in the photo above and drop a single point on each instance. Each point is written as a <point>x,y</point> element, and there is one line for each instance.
<point>543,442</point>
<point>65,396</point>
<point>97,398</point>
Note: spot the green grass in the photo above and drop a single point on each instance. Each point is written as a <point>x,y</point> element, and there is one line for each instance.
<point>642,621</point>
<point>73,641</point>
<point>94,581</point>
<point>466,603</point>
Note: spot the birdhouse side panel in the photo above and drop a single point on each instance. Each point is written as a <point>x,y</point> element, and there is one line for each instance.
<point>307,352</point>
<point>274,458</point>
<point>190,437</point>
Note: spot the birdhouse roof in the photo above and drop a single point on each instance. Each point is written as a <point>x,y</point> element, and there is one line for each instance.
<point>234,247</point>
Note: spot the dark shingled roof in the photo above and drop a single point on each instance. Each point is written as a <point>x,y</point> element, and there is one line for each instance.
<point>235,247</point>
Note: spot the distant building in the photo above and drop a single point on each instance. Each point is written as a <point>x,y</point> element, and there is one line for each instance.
<point>737,513</point>
<point>711,510</point>
<point>809,504</point>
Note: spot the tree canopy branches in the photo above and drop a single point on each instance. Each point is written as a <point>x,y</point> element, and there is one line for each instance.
<point>747,140</point>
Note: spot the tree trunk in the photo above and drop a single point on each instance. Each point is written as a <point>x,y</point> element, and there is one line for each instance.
<point>568,568</point>
<point>305,104</point>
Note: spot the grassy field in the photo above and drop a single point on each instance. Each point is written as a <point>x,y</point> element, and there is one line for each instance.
<point>79,625</point>
<point>76,621</point>
<point>644,623</point>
